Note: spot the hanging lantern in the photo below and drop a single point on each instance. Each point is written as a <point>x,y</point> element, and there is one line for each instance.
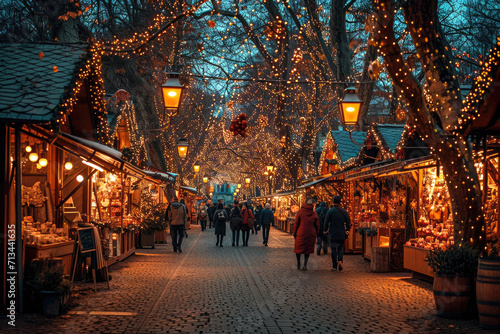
<point>33,157</point>
<point>43,162</point>
<point>205,179</point>
<point>247,180</point>
<point>28,147</point>
<point>196,167</point>
<point>172,93</point>
<point>212,189</point>
<point>79,178</point>
<point>68,165</point>
<point>350,106</point>
<point>270,168</point>
<point>239,185</point>
<point>182,147</point>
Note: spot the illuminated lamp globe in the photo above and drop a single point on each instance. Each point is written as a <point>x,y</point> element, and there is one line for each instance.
<point>182,148</point>
<point>172,92</point>
<point>350,106</point>
<point>247,180</point>
<point>205,179</point>
<point>196,167</point>
<point>270,168</point>
<point>28,147</point>
<point>79,178</point>
<point>43,162</point>
<point>68,165</point>
<point>239,185</point>
<point>38,166</point>
<point>33,157</point>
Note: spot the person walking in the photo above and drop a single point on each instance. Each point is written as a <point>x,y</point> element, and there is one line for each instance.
<point>176,216</point>
<point>235,221</point>
<point>247,224</point>
<point>250,207</point>
<point>211,210</point>
<point>186,225</point>
<point>220,219</point>
<point>305,231</point>
<point>338,225</point>
<point>203,216</point>
<point>256,214</point>
<point>266,219</point>
<point>321,211</point>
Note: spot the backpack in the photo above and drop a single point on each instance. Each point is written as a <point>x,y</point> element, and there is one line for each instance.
<point>221,218</point>
<point>203,214</point>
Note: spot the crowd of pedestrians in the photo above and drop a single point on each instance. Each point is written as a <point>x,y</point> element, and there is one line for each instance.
<point>317,228</point>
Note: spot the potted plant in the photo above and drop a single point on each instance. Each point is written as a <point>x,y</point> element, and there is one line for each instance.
<point>153,223</point>
<point>48,286</point>
<point>454,269</point>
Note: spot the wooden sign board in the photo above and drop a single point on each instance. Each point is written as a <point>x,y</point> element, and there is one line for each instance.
<point>86,238</point>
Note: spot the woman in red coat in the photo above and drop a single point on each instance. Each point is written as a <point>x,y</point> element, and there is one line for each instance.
<point>246,213</point>
<point>305,231</point>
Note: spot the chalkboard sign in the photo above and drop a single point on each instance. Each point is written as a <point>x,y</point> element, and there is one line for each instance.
<point>86,237</point>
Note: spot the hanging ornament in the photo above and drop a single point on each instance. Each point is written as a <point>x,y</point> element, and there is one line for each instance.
<point>239,125</point>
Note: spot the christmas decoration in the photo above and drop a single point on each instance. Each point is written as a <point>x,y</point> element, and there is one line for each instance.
<point>239,125</point>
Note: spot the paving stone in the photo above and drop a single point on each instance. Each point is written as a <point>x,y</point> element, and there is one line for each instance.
<point>253,289</point>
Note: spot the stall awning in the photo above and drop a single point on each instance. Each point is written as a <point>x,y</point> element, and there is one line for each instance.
<point>378,169</point>
<point>101,155</point>
<point>192,190</point>
<point>312,183</point>
<point>160,176</point>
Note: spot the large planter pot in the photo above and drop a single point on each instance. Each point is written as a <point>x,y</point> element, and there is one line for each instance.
<point>147,239</point>
<point>488,292</point>
<point>161,237</point>
<point>452,295</point>
<point>51,302</point>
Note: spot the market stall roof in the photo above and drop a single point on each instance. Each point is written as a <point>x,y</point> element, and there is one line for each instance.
<point>37,79</point>
<point>285,193</point>
<point>160,175</point>
<point>347,150</point>
<point>391,135</point>
<point>315,182</point>
<point>192,190</point>
<point>384,168</point>
<point>99,154</point>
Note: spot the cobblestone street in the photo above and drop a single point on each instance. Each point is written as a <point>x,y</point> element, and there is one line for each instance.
<point>255,289</point>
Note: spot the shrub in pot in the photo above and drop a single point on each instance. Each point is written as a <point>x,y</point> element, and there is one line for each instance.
<point>48,286</point>
<point>454,269</point>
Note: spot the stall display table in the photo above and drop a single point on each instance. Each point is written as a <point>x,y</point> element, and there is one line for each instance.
<point>414,260</point>
<point>62,250</point>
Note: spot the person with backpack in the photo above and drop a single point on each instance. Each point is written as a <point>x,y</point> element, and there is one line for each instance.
<point>203,216</point>
<point>176,216</point>
<point>338,225</point>
<point>220,219</point>
<point>321,211</point>
<point>211,211</point>
<point>235,221</point>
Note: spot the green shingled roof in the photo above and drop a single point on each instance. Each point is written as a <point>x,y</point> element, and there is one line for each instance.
<point>30,89</point>
<point>391,134</point>
<point>345,147</point>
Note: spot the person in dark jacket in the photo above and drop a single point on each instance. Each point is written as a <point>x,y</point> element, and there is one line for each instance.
<point>338,225</point>
<point>211,210</point>
<point>176,216</point>
<point>220,219</point>
<point>235,221</point>
<point>305,230</point>
<point>321,211</point>
<point>265,220</point>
